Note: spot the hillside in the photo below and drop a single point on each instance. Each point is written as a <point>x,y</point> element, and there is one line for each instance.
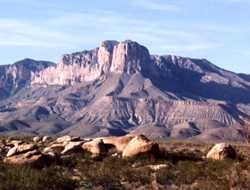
<point>119,88</point>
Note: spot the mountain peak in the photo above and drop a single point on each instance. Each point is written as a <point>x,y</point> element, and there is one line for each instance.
<point>129,57</point>
<point>112,56</point>
<point>119,86</point>
<point>18,75</point>
<point>109,44</point>
<point>33,64</point>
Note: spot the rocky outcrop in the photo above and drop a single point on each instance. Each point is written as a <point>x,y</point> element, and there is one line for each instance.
<point>27,158</point>
<point>118,142</point>
<point>37,139</point>
<point>127,146</point>
<point>46,139</point>
<point>15,77</point>
<point>64,139</point>
<point>33,157</point>
<point>42,153</point>
<point>221,151</point>
<point>96,147</point>
<point>22,154</point>
<point>140,145</point>
<point>72,147</point>
<point>23,148</point>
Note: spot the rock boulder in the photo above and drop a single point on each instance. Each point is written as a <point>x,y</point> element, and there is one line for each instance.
<point>96,147</point>
<point>139,145</point>
<point>23,148</point>
<point>221,151</point>
<point>72,147</point>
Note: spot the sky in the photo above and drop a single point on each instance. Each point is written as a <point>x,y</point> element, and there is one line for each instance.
<point>218,30</point>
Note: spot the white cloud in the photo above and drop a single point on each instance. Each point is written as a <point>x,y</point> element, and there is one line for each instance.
<point>113,26</point>
<point>82,30</point>
<point>16,32</point>
<point>154,5</point>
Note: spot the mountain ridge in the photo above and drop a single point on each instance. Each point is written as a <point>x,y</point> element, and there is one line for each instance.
<point>17,75</point>
<point>120,88</point>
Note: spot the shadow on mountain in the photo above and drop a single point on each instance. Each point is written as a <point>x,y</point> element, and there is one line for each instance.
<point>187,84</point>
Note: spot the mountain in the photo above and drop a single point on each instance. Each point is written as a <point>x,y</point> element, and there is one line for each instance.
<point>17,76</point>
<point>120,88</point>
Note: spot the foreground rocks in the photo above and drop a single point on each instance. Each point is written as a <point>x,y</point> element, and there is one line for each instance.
<point>72,147</point>
<point>139,145</point>
<point>45,148</point>
<point>119,143</point>
<point>181,165</point>
<point>32,157</point>
<point>37,139</point>
<point>26,154</point>
<point>221,151</point>
<point>96,147</point>
<point>18,149</point>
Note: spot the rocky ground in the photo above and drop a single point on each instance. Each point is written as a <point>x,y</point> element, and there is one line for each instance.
<point>127,162</point>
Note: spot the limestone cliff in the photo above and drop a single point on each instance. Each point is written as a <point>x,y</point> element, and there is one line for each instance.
<point>15,77</point>
<point>118,57</point>
<point>119,88</point>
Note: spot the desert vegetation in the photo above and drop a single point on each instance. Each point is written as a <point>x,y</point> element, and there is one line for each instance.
<point>180,165</point>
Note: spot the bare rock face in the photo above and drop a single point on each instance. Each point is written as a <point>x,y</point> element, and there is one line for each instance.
<point>129,57</point>
<point>46,139</point>
<point>17,76</point>
<point>124,57</point>
<point>72,147</point>
<point>37,139</point>
<point>140,145</point>
<point>12,152</point>
<point>64,139</point>
<point>96,147</point>
<point>31,158</point>
<point>22,159</point>
<point>105,55</point>
<point>78,67</point>
<point>221,151</point>
<point>25,154</point>
<point>118,142</point>
<point>15,142</point>
<point>21,149</point>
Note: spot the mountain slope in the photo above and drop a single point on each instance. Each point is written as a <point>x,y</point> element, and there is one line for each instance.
<point>17,76</point>
<point>119,88</point>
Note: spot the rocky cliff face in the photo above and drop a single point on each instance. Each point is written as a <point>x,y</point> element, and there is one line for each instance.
<point>192,78</point>
<point>78,67</point>
<point>120,88</point>
<point>17,76</point>
<point>112,56</point>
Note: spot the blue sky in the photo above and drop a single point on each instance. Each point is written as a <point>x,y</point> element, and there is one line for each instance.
<point>218,30</point>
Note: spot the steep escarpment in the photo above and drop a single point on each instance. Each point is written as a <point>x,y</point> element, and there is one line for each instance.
<point>17,76</point>
<point>193,78</point>
<point>124,57</point>
<point>119,88</point>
